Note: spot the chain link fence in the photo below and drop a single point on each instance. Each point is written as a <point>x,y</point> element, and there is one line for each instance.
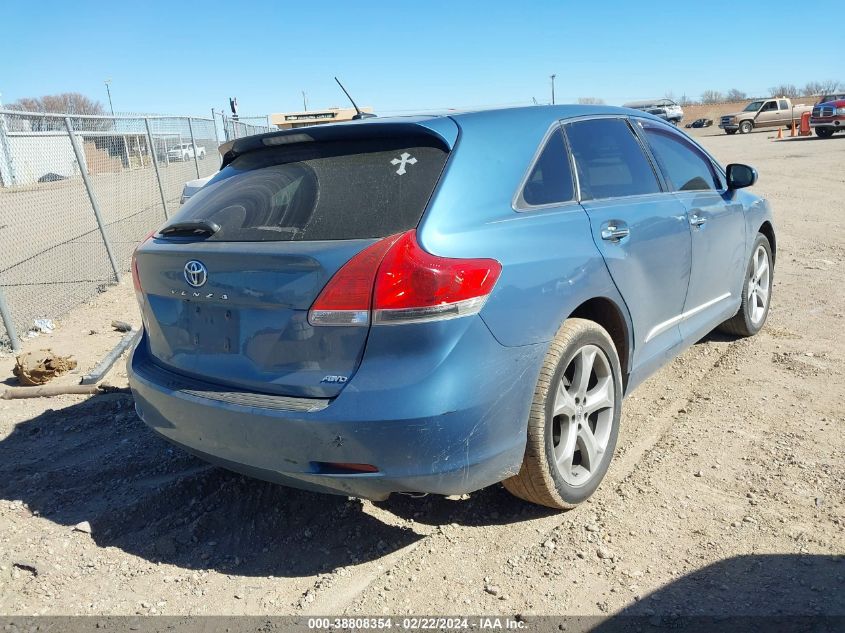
<point>240,127</point>
<point>77,194</point>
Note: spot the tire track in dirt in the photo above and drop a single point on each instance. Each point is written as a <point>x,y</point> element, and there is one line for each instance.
<point>512,541</point>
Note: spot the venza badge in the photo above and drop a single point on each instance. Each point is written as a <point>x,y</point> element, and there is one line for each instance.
<point>195,273</point>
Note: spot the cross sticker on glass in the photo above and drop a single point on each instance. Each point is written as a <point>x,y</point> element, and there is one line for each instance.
<point>404,159</point>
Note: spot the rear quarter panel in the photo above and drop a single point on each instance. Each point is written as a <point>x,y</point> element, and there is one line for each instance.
<point>550,264</point>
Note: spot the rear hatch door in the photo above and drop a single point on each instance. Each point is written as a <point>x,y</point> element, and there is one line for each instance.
<point>227,284</point>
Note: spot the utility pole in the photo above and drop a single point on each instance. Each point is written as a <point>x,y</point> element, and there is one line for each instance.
<point>553,88</point>
<point>304,102</point>
<point>108,92</point>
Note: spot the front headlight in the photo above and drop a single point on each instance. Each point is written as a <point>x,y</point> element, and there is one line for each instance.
<point>840,111</point>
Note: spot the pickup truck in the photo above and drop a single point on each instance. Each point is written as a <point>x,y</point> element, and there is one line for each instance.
<point>185,151</point>
<point>828,118</point>
<point>835,96</point>
<point>763,113</point>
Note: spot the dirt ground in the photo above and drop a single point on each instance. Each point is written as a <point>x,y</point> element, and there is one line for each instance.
<point>725,496</point>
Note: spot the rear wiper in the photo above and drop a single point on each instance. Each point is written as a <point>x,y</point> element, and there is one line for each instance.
<point>190,228</point>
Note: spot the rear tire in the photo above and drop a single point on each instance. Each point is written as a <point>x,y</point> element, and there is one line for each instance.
<point>824,132</point>
<point>756,292</point>
<point>574,418</point>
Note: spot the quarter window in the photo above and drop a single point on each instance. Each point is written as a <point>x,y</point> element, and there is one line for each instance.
<point>609,160</point>
<point>550,180</point>
<point>685,166</point>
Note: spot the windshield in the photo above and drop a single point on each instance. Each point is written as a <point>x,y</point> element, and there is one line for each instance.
<point>753,106</point>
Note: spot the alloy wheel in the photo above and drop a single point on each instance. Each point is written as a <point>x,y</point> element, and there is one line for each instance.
<point>759,286</point>
<point>582,417</point>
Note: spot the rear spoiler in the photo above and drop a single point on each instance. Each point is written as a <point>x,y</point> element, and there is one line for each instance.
<point>438,129</point>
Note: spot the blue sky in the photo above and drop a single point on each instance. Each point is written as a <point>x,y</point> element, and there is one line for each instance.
<point>185,57</point>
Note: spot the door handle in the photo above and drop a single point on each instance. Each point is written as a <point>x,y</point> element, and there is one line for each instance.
<point>614,233</point>
<point>697,220</point>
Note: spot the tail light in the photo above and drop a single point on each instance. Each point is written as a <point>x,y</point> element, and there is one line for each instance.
<point>395,281</point>
<point>136,278</point>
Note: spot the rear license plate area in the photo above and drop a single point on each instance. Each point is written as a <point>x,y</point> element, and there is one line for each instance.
<point>212,329</point>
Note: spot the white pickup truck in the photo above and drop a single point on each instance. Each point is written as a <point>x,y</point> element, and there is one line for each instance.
<point>774,112</point>
<point>185,151</point>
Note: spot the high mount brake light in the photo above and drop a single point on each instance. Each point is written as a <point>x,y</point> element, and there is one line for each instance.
<point>395,281</point>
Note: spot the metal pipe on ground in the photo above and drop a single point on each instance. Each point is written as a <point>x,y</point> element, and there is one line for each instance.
<point>99,372</point>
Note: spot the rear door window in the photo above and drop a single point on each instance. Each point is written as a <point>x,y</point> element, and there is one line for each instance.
<point>550,180</point>
<point>609,160</point>
<point>321,191</point>
<point>682,163</point>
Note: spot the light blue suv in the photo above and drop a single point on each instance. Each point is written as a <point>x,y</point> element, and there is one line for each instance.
<point>437,304</point>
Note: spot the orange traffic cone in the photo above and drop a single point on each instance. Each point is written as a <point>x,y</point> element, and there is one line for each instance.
<point>793,128</point>
<point>780,133</point>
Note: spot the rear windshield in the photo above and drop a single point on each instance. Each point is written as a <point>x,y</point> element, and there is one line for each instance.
<point>321,191</point>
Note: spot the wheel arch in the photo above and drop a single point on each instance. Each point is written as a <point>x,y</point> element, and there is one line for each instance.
<point>769,231</point>
<point>606,313</point>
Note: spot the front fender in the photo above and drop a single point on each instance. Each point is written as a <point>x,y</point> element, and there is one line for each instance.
<point>758,212</point>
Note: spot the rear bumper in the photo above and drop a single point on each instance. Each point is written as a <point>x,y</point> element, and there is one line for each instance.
<point>450,423</point>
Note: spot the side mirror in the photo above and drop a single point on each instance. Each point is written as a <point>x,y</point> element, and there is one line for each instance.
<point>740,176</point>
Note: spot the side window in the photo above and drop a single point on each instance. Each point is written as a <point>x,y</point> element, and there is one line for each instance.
<point>783,105</point>
<point>684,165</point>
<point>550,181</point>
<point>771,105</point>
<point>609,160</point>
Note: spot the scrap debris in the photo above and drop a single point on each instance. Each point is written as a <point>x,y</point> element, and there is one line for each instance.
<point>41,326</point>
<point>121,326</point>
<point>38,368</point>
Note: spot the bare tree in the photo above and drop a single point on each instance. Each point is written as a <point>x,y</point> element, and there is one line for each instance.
<point>590,101</point>
<point>735,95</point>
<point>828,86</point>
<point>813,88</point>
<point>685,101</point>
<point>785,90</point>
<point>64,103</point>
<point>712,96</point>
<point>72,103</point>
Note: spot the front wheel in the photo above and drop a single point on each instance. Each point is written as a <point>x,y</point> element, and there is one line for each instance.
<point>756,292</point>
<point>745,127</point>
<point>824,132</point>
<point>574,418</point>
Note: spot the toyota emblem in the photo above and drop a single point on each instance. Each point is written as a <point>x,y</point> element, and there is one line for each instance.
<point>195,273</point>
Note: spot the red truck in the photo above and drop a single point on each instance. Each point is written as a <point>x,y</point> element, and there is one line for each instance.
<point>828,117</point>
